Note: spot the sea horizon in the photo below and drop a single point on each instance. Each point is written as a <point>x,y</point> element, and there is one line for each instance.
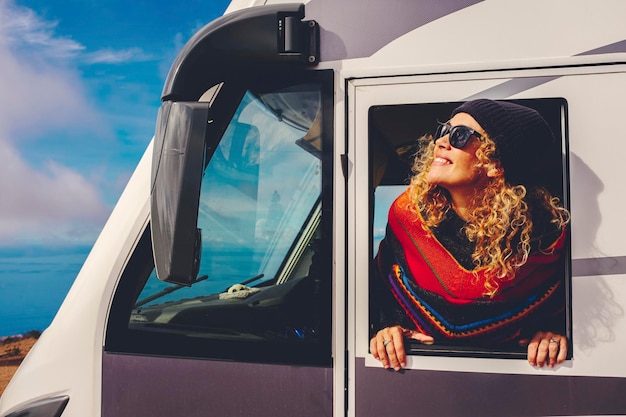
<point>34,281</point>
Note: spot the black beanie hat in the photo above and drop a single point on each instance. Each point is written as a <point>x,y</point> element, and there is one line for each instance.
<point>521,136</point>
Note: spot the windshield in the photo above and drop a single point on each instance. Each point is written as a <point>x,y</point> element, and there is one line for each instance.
<point>259,189</point>
<point>259,214</point>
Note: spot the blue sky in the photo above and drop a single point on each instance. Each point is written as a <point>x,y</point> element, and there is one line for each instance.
<point>81,83</point>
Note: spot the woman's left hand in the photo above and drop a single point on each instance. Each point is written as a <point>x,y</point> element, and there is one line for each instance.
<point>547,348</point>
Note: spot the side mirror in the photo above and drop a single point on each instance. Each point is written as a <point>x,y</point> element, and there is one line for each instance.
<point>177,166</point>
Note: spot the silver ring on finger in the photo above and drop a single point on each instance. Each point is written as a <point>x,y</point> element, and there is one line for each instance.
<point>554,340</point>
<point>386,342</point>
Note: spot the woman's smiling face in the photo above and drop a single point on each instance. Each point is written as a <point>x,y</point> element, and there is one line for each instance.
<point>458,170</point>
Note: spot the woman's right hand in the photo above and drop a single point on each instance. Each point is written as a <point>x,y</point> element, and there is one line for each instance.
<point>387,345</point>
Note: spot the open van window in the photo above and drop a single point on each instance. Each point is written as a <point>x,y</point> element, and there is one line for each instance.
<point>263,286</point>
<point>393,140</point>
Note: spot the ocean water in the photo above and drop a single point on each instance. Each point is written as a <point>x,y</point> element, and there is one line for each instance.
<point>33,283</point>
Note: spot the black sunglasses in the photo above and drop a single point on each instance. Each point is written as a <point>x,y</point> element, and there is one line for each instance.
<point>459,135</point>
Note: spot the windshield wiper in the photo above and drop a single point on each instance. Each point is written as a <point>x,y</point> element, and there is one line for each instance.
<point>165,291</point>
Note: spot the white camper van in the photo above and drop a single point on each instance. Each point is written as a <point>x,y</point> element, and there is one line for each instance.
<point>232,276</point>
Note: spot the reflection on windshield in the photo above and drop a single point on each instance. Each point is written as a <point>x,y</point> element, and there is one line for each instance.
<point>259,188</point>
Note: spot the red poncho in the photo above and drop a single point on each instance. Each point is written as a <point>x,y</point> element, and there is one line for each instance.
<point>445,300</point>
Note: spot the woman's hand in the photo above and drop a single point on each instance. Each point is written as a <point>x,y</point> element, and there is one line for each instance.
<point>547,348</point>
<point>387,345</point>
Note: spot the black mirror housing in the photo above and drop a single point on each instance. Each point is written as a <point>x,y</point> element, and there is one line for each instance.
<point>177,166</point>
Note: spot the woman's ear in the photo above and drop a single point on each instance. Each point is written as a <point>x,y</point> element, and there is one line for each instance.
<point>495,171</point>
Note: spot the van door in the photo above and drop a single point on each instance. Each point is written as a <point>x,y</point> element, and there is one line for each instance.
<point>389,115</point>
<point>245,328</point>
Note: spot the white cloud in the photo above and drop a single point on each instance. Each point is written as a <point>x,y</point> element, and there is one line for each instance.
<point>40,97</point>
<point>55,205</point>
<point>111,56</point>
<point>50,203</point>
<point>22,27</point>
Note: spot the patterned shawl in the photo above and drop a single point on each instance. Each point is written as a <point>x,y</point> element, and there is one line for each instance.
<point>445,300</point>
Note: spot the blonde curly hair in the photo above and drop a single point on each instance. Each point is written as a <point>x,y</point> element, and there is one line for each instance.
<point>500,223</point>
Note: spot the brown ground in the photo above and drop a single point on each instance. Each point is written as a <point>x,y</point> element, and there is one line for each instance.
<point>12,352</point>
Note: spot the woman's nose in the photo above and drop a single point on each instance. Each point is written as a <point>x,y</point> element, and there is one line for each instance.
<point>443,142</point>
